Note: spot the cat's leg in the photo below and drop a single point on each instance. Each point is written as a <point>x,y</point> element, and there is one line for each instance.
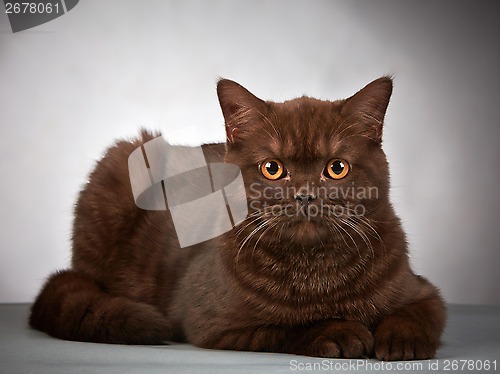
<point>72,306</point>
<point>333,339</point>
<point>413,332</point>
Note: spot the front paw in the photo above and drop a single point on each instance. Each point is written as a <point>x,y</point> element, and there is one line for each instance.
<point>399,339</point>
<point>341,339</point>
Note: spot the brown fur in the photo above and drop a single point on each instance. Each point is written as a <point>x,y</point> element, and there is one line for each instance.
<point>316,286</point>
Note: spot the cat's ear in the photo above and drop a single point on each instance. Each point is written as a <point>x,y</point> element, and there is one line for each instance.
<point>239,107</point>
<point>368,106</point>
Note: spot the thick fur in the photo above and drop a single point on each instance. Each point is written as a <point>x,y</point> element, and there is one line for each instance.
<point>320,286</point>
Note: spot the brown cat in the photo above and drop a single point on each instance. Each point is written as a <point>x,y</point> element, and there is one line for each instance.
<point>319,267</point>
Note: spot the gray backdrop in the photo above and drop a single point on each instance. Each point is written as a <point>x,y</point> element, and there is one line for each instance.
<point>69,87</point>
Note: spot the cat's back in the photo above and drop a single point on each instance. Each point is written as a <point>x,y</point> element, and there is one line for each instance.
<point>106,216</point>
<point>118,244</point>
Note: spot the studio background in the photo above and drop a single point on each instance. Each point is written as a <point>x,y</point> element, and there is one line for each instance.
<point>72,86</point>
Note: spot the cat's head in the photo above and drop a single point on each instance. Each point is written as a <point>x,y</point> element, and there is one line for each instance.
<point>314,170</point>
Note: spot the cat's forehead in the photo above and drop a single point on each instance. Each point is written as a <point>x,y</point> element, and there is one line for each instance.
<point>305,128</point>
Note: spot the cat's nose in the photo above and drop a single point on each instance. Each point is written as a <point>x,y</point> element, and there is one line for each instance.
<point>304,199</point>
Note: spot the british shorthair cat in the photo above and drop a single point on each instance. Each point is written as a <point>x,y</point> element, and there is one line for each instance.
<point>319,267</point>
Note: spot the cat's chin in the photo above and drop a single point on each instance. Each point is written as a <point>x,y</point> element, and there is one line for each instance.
<point>309,232</point>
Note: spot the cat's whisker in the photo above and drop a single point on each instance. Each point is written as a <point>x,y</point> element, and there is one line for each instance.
<point>280,233</point>
<point>358,230</point>
<point>273,222</point>
<point>251,222</point>
<point>336,232</point>
<point>352,239</point>
<point>367,224</point>
<point>246,239</point>
<point>248,223</point>
<point>259,227</point>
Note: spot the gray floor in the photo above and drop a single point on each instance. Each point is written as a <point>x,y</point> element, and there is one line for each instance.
<point>473,334</point>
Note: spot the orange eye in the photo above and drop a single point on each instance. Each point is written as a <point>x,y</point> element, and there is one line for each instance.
<point>337,168</point>
<point>272,169</point>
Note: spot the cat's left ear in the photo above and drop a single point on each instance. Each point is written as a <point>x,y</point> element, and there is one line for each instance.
<point>239,107</point>
<point>368,106</point>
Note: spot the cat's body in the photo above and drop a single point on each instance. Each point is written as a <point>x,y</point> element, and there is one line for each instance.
<point>295,283</point>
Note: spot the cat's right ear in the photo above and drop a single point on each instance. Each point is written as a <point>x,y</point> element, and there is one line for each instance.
<point>369,106</point>
<point>239,107</point>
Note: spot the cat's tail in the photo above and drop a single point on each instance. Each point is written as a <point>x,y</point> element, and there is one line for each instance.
<point>72,306</point>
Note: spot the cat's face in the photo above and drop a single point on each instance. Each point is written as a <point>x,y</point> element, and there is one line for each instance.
<point>314,170</point>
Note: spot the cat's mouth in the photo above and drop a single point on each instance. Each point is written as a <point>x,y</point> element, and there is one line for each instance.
<point>274,222</point>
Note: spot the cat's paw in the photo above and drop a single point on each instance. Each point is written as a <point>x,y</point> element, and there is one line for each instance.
<point>131,322</point>
<point>403,340</point>
<point>342,339</point>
